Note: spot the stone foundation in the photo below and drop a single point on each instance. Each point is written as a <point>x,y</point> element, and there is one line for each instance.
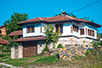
<point>17,52</point>
<point>73,40</point>
<point>70,51</point>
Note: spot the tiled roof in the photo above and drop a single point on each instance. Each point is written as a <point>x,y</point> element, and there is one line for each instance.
<point>19,32</point>
<point>58,19</point>
<point>2,26</point>
<point>2,41</point>
<point>29,39</point>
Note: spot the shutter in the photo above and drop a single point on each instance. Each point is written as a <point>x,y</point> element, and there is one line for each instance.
<point>71,29</point>
<point>40,29</point>
<point>86,30</point>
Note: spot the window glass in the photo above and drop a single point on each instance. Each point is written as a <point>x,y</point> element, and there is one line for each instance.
<point>81,31</point>
<point>30,29</point>
<point>59,28</point>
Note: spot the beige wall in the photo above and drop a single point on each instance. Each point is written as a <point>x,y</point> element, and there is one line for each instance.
<point>3,31</point>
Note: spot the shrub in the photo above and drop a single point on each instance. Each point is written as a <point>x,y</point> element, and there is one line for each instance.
<point>2,55</point>
<point>59,46</point>
<point>6,50</point>
<point>46,49</point>
<point>90,52</point>
<point>78,57</point>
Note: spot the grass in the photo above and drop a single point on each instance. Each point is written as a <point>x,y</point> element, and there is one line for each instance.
<point>47,60</point>
<point>18,62</point>
<point>42,61</point>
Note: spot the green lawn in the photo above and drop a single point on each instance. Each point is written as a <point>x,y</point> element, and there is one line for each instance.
<point>52,61</point>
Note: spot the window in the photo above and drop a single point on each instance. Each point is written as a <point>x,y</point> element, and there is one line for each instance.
<point>59,27</point>
<point>81,31</point>
<point>0,31</point>
<point>90,32</point>
<point>40,29</point>
<point>75,28</point>
<point>30,29</point>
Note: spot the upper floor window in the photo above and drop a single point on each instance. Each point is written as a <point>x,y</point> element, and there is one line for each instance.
<point>90,32</point>
<point>75,28</point>
<point>30,29</point>
<point>59,27</point>
<point>81,31</point>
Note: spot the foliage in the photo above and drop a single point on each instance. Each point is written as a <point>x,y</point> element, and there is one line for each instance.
<point>95,44</point>
<point>6,50</point>
<point>59,46</point>
<point>11,25</point>
<point>90,52</point>
<point>78,57</point>
<point>2,55</point>
<point>46,49</point>
<point>8,46</point>
<point>51,35</point>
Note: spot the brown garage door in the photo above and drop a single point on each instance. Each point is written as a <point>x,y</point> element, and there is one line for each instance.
<point>29,49</point>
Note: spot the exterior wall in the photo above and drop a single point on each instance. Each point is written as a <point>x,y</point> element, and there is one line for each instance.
<point>40,46</point>
<point>20,51</point>
<point>72,41</point>
<point>36,33</point>
<point>66,30</point>
<point>93,28</point>
<point>17,52</point>
<point>3,31</point>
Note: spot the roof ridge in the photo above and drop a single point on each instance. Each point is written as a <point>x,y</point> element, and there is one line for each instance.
<point>69,16</point>
<point>40,18</point>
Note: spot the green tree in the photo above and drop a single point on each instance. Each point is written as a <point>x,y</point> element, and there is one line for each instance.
<point>51,35</point>
<point>11,25</point>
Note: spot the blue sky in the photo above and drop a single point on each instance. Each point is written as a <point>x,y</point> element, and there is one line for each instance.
<point>49,8</point>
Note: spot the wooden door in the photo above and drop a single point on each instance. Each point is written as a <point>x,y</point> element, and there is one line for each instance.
<point>29,49</point>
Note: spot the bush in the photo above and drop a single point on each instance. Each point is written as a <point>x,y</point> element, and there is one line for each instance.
<point>46,49</point>
<point>59,46</point>
<point>2,55</point>
<point>90,52</point>
<point>78,57</point>
<point>6,50</point>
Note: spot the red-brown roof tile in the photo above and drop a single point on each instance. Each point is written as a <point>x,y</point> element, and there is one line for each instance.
<point>2,41</point>
<point>57,19</point>
<point>30,39</point>
<point>19,32</point>
<point>2,26</point>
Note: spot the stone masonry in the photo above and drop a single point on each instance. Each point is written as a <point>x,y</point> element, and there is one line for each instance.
<point>70,51</point>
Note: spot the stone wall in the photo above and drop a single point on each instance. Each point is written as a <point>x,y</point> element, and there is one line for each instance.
<point>73,40</point>
<point>40,46</point>
<point>70,51</point>
<point>17,52</point>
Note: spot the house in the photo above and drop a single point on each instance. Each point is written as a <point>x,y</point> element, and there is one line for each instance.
<point>74,31</point>
<point>18,33</point>
<point>2,41</point>
<point>2,30</point>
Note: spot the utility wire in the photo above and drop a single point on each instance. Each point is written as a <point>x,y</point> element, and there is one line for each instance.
<point>85,6</point>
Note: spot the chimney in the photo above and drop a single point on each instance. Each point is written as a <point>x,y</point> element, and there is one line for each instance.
<point>64,13</point>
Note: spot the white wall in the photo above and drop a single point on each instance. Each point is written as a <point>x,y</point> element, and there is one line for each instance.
<point>37,30</point>
<point>66,30</point>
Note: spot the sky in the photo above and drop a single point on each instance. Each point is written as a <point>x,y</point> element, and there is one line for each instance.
<point>49,8</point>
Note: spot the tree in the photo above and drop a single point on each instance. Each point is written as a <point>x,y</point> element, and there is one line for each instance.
<point>51,35</point>
<point>70,14</point>
<point>11,25</point>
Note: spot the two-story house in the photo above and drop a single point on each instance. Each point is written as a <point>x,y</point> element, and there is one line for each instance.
<point>74,31</point>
